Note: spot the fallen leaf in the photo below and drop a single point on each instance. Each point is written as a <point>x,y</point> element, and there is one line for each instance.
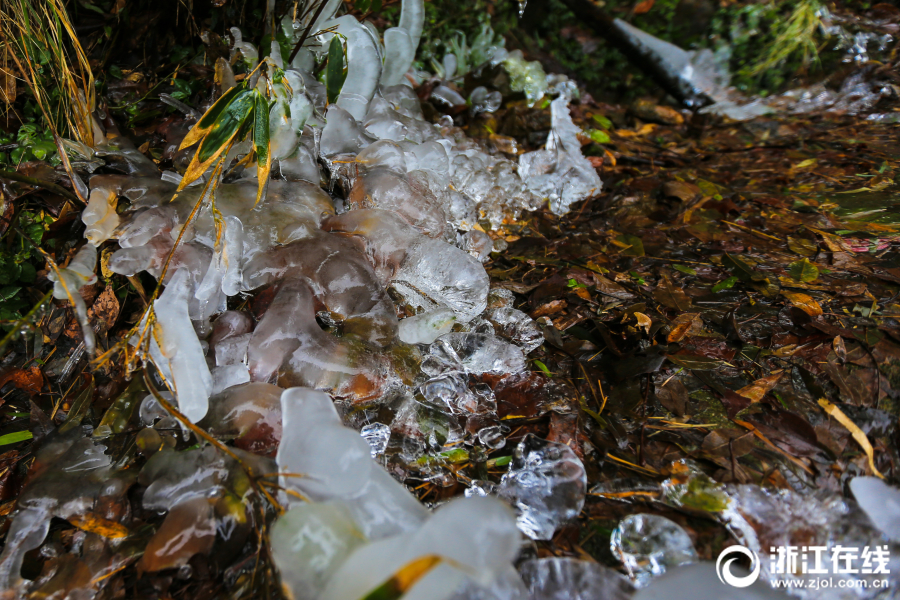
<point>643,6</point>
<point>28,380</point>
<point>93,523</point>
<point>643,322</point>
<point>671,296</point>
<point>759,388</point>
<point>854,430</point>
<point>804,271</point>
<point>805,303</point>
<point>685,324</point>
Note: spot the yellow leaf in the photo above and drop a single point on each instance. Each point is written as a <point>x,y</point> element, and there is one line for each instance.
<point>93,523</point>
<point>805,303</point>
<point>643,321</point>
<point>855,431</point>
<point>759,388</point>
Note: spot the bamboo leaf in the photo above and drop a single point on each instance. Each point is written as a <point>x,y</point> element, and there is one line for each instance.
<point>209,117</point>
<point>15,437</point>
<point>262,144</point>
<point>334,71</point>
<point>232,121</point>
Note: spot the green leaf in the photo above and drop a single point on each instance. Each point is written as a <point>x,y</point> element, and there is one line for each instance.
<point>725,284</point>
<point>543,368</point>
<point>602,121</point>
<point>632,245</point>
<point>8,291</point>
<point>15,437</point>
<point>743,271</point>
<point>597,136</point>
<point>261,143</point>
<point>210,117</point>
<point>500,461</point>
<point>334,71</point>
<point>376,6</point>
<point>28,273</point>
<point>227,125</point>
<point>804,271</point>
<point>685,270</point>
<point>362,5</point>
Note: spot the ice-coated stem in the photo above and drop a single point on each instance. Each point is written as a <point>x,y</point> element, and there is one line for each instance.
<point>412,19</point>
<point>398,55</point>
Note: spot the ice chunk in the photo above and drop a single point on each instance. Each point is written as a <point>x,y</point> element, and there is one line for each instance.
<point>67,283</point>
<point>881,502</point>
<point>481,100</point>
<point>477,243</point>
<point>174,477</point>
<point>398,55</point>
<point>342,134</point>
<point>480,353</point>
<point>177,352</point>
<point>227,376</point>
<point>546,483</point>
<point>426,327</point>
<point>560,173</point>
<point>439,271</point>
<point>471,538</point>
<point>336,463</point>
<point>572,579</point>
<point>649,545</point>
<point>100,215</point>
<point>309,543</point>
<point>377,435</point>
<point>412,19</point>
<point>515,326</point>
<point>701,582</point>
<point>250,413</point>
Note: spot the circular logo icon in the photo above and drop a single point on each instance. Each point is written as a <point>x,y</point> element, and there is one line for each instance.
<point>728,556</point>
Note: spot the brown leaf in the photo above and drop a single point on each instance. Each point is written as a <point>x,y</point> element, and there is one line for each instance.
<point>28,380</point>
<point>643,6</point>
<point>759,388</point>
<point>672,296</point>
<point>674,397</point>
<point>685,324</point>
<point>724,442</point>
<point>104,311</point>
<point>643,322</point>
<point>549,308</point>
<point>805,303</point>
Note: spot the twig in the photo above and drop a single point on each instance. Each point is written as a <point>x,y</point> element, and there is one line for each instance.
<point>306,33</point>
<point>56,189</point>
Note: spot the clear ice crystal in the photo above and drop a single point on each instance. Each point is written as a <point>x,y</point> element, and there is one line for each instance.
<point>546,483</point>
<point>377,435</point>
<point>649,545</point>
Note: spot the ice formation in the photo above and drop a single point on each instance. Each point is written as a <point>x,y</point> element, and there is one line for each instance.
<point>370,294</point>
<point>68,282</point>
<point>650,545</point>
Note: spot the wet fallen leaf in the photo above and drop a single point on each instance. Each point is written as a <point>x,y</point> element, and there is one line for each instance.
<point>854,430</point>
<point>759,388</point>
<point>685,324</point>
<point>670,295</point>
<point>28,380</point>
<point>804,271</point>
<point>805,303</point>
